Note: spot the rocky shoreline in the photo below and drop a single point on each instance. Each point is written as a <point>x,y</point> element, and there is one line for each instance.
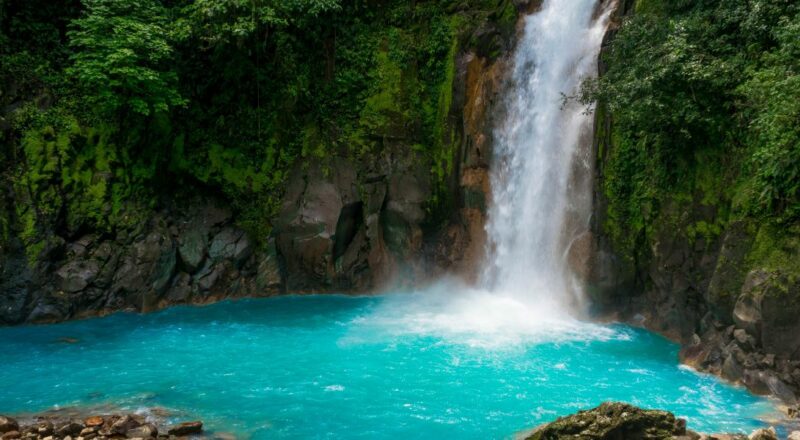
<point>97,427</point>
<point>621,421</point>
<point>608,421</point>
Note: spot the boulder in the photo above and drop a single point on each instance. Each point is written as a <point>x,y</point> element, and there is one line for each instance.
<point>77,274</point>
<point>144,272</point>
<point>181,289</point>
<point>731,370</point>
<point>92,422</point>
<point>123,425</point>
<point>768,308</point>
<point>186,428</point>
<point>46,313</point>
<point>612,421</point>
<point>305,231</point>
<point>795,435</point>
<point>69,429</point>
<point>45,428</point>
<point>779,389</point>
<point>192,249</point>
<point>745,341</point>
<point>208,277</point>
<point>764,434</point>
<point>747,311</point>
<point>8,424</point>
<point>10,435</point>
<point>230,243</point>
<point>145,431</point>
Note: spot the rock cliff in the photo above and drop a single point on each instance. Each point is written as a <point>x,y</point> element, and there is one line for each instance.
<point>346,223</point>
<point>725,286</point>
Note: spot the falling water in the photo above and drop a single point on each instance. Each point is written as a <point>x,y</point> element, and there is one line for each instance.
<point>540,197</point>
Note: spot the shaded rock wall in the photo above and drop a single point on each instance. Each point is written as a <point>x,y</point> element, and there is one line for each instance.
<point>188,253</point>
<point>725,287</point>
<point>346,224</point>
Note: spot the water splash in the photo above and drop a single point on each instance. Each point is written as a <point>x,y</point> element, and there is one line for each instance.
<point>540,196</point>
<point>474,317</point>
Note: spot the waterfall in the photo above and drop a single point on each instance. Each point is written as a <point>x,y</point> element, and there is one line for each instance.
<point>542,157</point>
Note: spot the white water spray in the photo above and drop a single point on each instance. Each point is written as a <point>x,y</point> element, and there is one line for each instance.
<point>541,198</point>
<point>541,150</point>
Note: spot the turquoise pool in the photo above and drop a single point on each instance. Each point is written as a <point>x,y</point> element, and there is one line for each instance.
<point>405,365</point>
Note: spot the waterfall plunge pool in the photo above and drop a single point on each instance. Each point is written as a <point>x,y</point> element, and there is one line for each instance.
<point>405,365</point>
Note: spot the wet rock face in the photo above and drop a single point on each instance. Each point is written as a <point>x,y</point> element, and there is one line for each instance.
<point>338,231</point>
<point>613,421</point>
<point>716,285</point>
<point>345,224</point>
<point>759,350</point>
<point>191,253</point>
<point>734,318</point>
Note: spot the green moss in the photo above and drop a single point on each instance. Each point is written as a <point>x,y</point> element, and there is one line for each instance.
<point>443,133</point>
<point>776,249</point>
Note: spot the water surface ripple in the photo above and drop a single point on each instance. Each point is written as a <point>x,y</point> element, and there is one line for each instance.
<point>398,366</point>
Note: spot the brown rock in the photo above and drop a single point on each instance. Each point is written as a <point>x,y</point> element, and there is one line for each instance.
<point>764,434</point>
<point>731,370</point>
<point>69,429</point>
<point>93,421</point>
<point>744,340</point>
<point>613,421</point>
<point>124,424</point>
<point>7,424</point>
<point>146,430</point>
<point>86,431</point>
<point>11,435</point>
<point>45,428</point>
<point>186,428</point>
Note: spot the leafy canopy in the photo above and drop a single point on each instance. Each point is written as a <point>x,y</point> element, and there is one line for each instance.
<point>233,20</point>
<point>122,57</point>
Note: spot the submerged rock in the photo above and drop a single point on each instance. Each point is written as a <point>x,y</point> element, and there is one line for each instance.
<point>612,421</point>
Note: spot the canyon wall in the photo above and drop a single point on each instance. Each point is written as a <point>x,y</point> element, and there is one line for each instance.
<point>723,284</point>
<point>345,223</point>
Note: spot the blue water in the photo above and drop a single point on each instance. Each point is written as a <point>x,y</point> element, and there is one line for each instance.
<point>367,367</point>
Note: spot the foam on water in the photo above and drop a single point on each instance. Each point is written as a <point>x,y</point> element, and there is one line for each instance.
<point>479,317</point>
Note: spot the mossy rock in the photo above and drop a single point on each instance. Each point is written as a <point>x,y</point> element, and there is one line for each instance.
<point>611,421</point>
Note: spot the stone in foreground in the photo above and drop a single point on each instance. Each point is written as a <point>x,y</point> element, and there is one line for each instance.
<point>186,428</point>
<point>612,421</point>
<point>7,424</point>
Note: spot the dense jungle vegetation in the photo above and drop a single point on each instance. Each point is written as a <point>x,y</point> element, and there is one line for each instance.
<point>110,103</point>
<point>107,104</point>
<point>704,98</point>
